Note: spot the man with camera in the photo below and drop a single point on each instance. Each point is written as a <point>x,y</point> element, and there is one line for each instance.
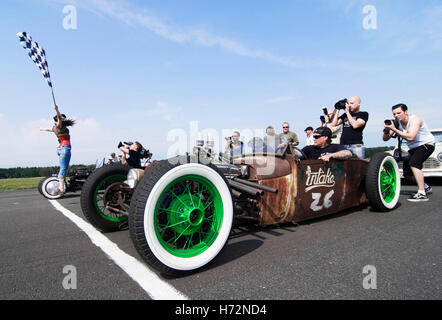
<point>234,146</point>
<point>326,120</point>
<point>133,150</point>
<point>420,142</point>
<point>354,121</point>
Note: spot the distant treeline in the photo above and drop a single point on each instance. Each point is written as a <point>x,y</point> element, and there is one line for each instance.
<point>35,171</point>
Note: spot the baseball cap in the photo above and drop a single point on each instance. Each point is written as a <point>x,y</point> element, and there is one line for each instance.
<point>308,128</point>
<point>323,131</point>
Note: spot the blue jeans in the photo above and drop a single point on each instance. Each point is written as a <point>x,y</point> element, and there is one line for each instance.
<point>64,154</point>
<point>357,149</point>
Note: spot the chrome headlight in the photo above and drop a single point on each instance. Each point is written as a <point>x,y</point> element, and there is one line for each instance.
<point>133,177</point>
<point>439,156</point>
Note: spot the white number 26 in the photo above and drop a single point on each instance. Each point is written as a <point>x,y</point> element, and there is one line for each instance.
<point>327,201</point>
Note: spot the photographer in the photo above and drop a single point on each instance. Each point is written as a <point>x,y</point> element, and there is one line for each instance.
<point>234,146</point>
<point>327,121</point>
<point>420,142</point>
<point>354,122</point>
<point>133,151</point>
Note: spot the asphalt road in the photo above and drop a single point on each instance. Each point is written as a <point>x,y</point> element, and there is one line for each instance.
<point>320,259</point>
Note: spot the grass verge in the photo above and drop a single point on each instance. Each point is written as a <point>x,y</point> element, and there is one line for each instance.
<point>19,183</point>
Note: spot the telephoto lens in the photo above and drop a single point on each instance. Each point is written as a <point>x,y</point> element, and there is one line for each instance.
<point>387,122</point>
<point>340,105</point>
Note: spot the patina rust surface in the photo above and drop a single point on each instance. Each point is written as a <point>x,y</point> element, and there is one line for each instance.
<point>308,189</point>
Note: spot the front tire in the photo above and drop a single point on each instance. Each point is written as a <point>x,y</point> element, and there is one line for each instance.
<point>383,182</point>
<point>100,189</point>
<point>181,216</point>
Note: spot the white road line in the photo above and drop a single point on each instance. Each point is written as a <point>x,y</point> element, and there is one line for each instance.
<point>155,287</point>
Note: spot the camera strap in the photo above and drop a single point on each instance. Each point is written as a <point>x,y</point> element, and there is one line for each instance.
<point>399,142</point>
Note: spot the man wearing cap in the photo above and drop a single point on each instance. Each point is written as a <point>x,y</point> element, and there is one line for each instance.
<point>309,140</point>
<point>323,149</point>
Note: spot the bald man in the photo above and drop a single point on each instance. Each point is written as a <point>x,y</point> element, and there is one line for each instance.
<point>354,121</point>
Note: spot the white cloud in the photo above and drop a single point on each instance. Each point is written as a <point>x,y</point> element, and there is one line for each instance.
<point>128,13</point>
<point>23,144</point>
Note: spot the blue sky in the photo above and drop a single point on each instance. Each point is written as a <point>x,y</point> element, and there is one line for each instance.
<point>158,71</point>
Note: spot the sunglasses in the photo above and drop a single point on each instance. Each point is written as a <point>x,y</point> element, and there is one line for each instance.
<point>317,137</point>
<point>285,127</point>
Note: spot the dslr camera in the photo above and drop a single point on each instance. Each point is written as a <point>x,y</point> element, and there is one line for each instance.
<point>340,105</point>
<point>388,122</point>
<point>120,144</point>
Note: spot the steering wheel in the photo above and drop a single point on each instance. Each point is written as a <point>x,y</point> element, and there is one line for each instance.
<point>304,156</point>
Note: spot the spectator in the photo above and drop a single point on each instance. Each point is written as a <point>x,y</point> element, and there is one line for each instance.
<point>287,137</point>
<point>256,144</point>
<point>234,146</point>
<point>271,140</point>
<point>309,133</point>
<point>323,149</point>
<point>420,142</point>
<point>354,121</point>
<point>111,159</point>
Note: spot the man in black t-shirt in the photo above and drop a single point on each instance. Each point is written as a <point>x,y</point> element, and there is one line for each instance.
<point>323,150</point>
<point>354,121</point>
<point>134,159</point>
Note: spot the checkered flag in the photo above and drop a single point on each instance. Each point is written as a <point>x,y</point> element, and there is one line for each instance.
<point>37,55</point>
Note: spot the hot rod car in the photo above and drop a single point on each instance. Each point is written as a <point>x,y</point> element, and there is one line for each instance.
<point>48,186</point>
<point>180,211</point>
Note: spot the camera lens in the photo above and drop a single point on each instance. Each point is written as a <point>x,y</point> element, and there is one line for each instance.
<point>387,122</point>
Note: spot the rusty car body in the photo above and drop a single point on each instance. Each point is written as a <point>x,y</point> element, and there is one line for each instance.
<point>180,211</point>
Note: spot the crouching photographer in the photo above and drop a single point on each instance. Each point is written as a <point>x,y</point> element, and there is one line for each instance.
<point>420,142</point>
<point>134,152</point>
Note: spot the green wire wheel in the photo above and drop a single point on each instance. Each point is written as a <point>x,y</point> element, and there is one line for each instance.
<point>383,183</point>
<point>182,216</point>
<point>102,195</point>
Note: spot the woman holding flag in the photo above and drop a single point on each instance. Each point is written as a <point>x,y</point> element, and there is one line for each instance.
<point>64,149</point>
<point>38,55</point>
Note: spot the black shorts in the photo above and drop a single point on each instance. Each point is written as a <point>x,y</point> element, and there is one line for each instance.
<point>417,158</point>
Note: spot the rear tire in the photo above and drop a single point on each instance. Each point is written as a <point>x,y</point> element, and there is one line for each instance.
<point>181,216</point>
<point>383,182</point>
<point>40,183</point>
<point>92,197</point>
<point>48,187</point>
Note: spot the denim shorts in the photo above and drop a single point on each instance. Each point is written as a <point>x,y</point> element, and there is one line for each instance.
<point>357,149</point>
<point>64,154</point>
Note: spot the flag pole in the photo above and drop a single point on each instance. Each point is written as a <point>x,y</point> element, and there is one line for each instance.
<point>53,97</point>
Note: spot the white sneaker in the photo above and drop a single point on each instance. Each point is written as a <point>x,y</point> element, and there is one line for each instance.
<point>418,197</point>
